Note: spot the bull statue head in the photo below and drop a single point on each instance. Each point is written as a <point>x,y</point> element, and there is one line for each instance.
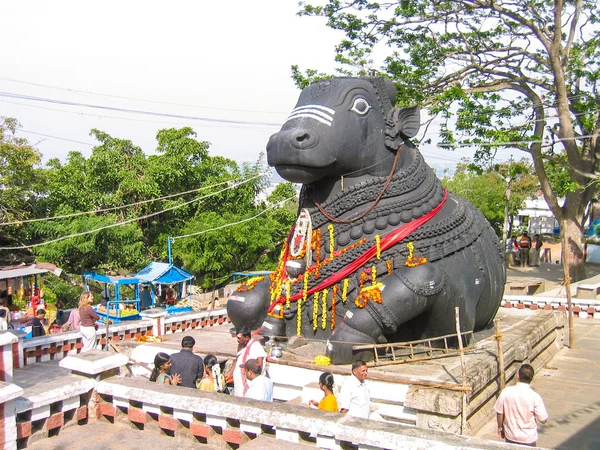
<point>339,126</point>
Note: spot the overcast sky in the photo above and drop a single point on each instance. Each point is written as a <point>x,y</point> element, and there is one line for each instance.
<point>228,60</point>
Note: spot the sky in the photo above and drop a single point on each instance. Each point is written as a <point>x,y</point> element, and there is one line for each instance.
<point>218,61</point>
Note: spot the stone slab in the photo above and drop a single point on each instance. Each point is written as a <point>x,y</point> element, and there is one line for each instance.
<point>9,391</point>
<point>93,362</point>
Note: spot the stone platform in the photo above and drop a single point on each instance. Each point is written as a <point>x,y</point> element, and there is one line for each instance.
<point>425,394</point>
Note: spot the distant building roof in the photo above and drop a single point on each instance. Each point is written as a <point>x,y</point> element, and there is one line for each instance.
<point>22,270</point>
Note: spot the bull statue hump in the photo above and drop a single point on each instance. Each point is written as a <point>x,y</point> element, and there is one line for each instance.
<point>380,252</point>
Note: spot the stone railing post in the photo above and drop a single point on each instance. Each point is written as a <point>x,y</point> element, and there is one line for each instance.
<point>8,415</point>
<point>18,349</point>
<point>96,365</point>
<point>7,341</point>
<point>157,315</point>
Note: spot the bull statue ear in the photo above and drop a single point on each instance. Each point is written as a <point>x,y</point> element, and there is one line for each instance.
<point>402,124</point>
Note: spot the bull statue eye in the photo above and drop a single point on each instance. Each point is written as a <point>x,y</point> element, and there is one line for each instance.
<point>360,106</point>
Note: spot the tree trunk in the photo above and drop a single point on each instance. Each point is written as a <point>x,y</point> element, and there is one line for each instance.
<point>572,248</point>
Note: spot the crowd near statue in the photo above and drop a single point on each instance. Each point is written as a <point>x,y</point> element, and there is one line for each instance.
<point>380,251</point>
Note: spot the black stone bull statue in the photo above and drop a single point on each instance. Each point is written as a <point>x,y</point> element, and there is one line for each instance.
<point>380,251</point>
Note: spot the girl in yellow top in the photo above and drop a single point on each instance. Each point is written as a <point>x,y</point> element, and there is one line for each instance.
<point>213,380</point>
<point>329,402</point>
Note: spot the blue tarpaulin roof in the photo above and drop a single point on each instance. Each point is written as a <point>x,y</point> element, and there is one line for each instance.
<point>159,272</point>
<point>111,279</point>
<point>592,229</point>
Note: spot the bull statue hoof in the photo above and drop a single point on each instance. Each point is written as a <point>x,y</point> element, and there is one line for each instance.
<point>380,252</point>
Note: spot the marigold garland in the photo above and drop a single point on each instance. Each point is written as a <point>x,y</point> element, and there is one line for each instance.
<point>250,284</point>
<point>363,278</point>
<point>299,318</point>
<point>333,305</point>
<point>331,241</point>
<point>324,308</point>
<point>288,289</point>
<point>412,261</point>
<point>374,274</point>
<point>315,310</point>
<point>345,290</point>
<point>317,249</point>
<point>388,264</point>
<point>372,293</point>
<point>378,243</point>
<point>322,360</point>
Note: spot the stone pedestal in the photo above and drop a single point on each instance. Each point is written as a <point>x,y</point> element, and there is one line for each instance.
<point>157,315</point>
<point>95,364</point>
<point>8,416</point>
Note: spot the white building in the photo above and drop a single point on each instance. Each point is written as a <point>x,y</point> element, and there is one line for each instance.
<point>537,215</point>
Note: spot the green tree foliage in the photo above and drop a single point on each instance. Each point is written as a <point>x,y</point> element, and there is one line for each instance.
<point>136,202</point>
<point>498,73</point>
<point>487,190</point>
<point>20,182</point>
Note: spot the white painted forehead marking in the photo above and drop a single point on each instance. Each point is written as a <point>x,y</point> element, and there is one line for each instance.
<point>319,113</point>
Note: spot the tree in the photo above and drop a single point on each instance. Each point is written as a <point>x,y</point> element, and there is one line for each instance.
<point>498,192</point>
<point>498,73</point>
<point>20,179</point>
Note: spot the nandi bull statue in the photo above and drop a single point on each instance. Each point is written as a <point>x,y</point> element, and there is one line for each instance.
<point>380,252</point>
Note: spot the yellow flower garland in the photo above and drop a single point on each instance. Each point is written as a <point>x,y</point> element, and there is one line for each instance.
<point>333,305</point>
<point>345,290</point>
<point>315,309</point>
<point>287,294</point>
<point>331,241</point>
<point>324,309</point>
<point>374,274</point>
<point>378,244</point>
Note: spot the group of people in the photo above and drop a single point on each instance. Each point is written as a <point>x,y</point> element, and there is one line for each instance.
<point>524,251</point>
<point>519,408</point>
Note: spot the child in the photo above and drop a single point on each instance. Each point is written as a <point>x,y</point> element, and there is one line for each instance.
<point>160,373</point>
<point>37,327</point>
<point>54,328</point>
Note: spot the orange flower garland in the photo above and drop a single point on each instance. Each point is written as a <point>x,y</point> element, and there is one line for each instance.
<point>317,249</point>
<point>388,264</point>
<point>372,293</point>
<point>412,261</point>
<point>249,284</point>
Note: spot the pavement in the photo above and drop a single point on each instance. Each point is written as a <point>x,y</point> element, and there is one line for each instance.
<point>569,384</point>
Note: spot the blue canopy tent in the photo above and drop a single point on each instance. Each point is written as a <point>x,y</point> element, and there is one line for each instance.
<point>157,273</point>
<point>119,304</point>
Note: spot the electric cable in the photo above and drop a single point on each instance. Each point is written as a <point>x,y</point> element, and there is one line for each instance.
<point>135,219</point>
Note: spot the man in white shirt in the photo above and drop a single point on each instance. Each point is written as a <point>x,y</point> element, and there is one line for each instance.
<point>250,348</point>
<point>259,386</point>
<point>519,408</point>
<point>355,399</point>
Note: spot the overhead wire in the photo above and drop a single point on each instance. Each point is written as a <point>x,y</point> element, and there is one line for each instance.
<point>113,208</point>
<point>134,111</point>
<point>135,219</point>
<point>78,91</point>
<point>235,223</point>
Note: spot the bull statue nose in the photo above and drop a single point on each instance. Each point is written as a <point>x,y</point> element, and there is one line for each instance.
<point>302,139</point>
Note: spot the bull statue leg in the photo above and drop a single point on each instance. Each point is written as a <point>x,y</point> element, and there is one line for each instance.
<point>421,294</point>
